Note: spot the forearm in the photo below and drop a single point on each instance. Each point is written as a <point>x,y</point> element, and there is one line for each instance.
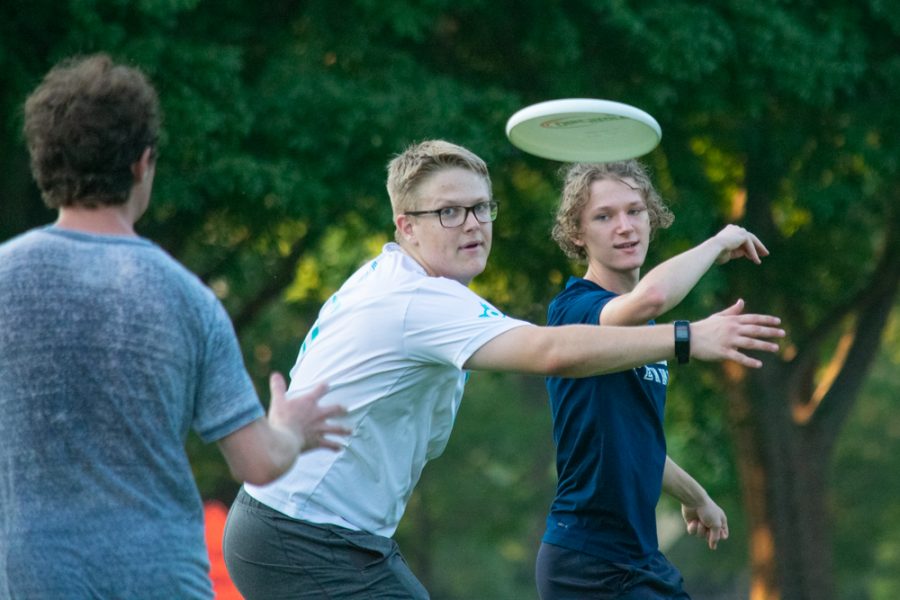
<point>260,453</point>
<point>584,350</point>
<point>281,448</point>
<point>670,281</point>
<point>574,350</point>
<point>598,350</point>
<point>681,486</point>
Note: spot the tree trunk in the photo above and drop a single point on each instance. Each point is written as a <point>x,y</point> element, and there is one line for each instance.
<point>783,469</point>
<point>785,428</point>
<point>785,423</point>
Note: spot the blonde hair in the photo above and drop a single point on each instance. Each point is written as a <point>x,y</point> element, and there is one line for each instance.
<point>407,170</point>
<point>577,191</point>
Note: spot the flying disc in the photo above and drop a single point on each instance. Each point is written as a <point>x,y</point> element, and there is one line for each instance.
<point>583,130</point>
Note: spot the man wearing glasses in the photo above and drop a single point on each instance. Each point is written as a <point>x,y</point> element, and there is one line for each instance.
<point>395,343</point>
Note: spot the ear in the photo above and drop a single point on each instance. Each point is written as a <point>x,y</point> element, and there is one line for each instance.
<point>405,228</point>
<point>143,165</point>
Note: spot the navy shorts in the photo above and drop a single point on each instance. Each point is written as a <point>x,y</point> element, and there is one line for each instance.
<point>271,556</point>
<point>564,574</point>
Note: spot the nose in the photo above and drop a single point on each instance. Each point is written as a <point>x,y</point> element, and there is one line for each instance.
<point>471,222</point>
<point>623,222</point>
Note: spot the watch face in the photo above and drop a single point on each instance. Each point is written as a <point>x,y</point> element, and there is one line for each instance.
<point>682,333</point>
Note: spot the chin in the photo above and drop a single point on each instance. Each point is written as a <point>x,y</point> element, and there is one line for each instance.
<point>468,275</point>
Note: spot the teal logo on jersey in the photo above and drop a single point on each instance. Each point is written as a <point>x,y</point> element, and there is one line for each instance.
<point>489,312</point>
<point>309,338</point>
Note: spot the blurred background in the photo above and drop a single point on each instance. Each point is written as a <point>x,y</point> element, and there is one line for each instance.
<point>779,115</point>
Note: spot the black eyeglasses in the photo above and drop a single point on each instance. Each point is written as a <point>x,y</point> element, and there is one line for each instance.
<point>454,216</point>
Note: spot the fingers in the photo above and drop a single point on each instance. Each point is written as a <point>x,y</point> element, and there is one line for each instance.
<point>744,360</point>
<point>727,335</point>
<point>750,250</point>
<point>716,534</point>
<point>754,337</point>
<point>330,445</point>
<point>713,535</point>
<point>318,438</point>
<point>761,320</point>
<point>754,249</point>
<point>713,532</point>
<point>737,242</point>
<point>734,309</point>
<point>760,248</point>
<point>702,530</point>
<point>277,385</point>
<point>305,416</point>
<point>320,425</point>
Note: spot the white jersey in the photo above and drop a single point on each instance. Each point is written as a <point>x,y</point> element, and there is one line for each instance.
<point>391,344</point>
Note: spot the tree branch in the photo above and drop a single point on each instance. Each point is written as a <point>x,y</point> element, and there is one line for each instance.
<point>882,281</point>
<point>874,308</point>
<point>281,279</point>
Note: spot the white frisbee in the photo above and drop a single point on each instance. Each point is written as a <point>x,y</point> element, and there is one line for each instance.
<point>583,130</point>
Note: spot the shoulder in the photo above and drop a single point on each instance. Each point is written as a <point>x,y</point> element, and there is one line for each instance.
<point>25,241</point>
<point>580,302</point>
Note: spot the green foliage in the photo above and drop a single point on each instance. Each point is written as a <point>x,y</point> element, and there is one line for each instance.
<point>280,118</point>
<point>864,483</point>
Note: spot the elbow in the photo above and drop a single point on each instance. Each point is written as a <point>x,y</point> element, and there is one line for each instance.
<point>555,368</point>
<point>555,362</point>
<point>653,303</point>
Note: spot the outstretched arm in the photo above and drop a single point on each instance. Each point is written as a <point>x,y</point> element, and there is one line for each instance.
<point>263,450</point>
<point>666,285</point>
<point>584,350</point>
<point>702,516</point>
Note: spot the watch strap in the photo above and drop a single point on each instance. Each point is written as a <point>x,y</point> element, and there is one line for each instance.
<point>683,341</point>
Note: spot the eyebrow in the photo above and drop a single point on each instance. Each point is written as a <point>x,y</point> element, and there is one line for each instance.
<point>635,204</point>
<point>446,203</point>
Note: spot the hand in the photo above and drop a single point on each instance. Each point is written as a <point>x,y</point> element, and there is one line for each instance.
<point>736,242</point>
<point>303,416</point>
<point>707,521</point>
<point>723,335</point>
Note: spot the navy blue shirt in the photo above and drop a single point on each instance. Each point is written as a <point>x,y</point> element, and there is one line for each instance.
<point>611,448</point>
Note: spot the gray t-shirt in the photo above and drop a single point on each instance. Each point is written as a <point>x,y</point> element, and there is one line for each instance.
<point>110,353</point>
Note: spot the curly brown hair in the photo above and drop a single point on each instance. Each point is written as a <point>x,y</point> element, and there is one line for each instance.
<point>85,125</point>
<point>577,191</point>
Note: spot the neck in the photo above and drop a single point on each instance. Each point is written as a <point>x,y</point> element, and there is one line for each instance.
<point>104,220</point>
<point>619,282</point>
<point>410,252</point>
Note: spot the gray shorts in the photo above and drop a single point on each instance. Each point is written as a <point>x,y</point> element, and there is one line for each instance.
<point>272,556</point>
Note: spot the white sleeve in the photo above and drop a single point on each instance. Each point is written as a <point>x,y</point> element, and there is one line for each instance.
<point>446,322</point>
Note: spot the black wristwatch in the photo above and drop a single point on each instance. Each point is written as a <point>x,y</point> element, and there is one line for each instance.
<point>683,341</point>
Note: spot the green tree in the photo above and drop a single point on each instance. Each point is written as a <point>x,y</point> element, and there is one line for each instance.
<point>279,120</point>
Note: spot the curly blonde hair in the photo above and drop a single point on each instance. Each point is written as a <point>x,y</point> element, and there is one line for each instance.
<point>577,191</point>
